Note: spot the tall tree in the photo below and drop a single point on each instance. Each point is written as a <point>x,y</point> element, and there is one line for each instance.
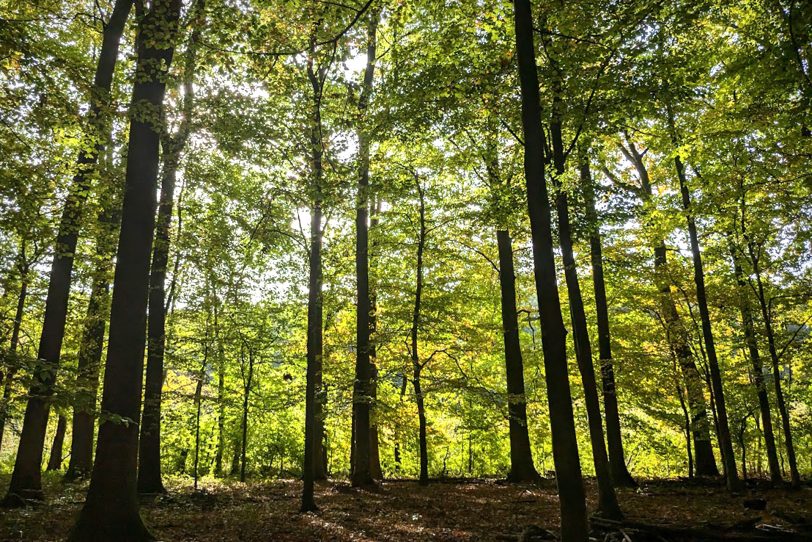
<point>749,331</point>
<point>676,332</point>
<point>722,426</point>
<point>26,479</point>
<point>149,444</point>
<point>361,467</point>
<point>92,341</point>
<point>617,461</point>
<point>565,445</point>
<point>110,511</point>
<point>607,499</point>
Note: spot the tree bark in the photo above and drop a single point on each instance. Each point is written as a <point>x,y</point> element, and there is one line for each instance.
<point>90,349</point>
<point>617,462</point>
<point>26,480</point>
<point>574,525</point>
<point>607,499</point>
<point>521,453</point>
<point>245,404</point>
<point>722,426</point>
<point>11,370</point>
<point>361,464</point>
<point>679,341</point>
<point>315,318</point>
<point>374,447</point>
<point>55,457</point>
<point>110,511</point>
<point>795,477</point>
<point>417,364</point>
<point>149,444</point>
<point>758,371</point>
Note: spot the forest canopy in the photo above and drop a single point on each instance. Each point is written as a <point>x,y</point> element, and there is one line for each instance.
<point>370,241</point>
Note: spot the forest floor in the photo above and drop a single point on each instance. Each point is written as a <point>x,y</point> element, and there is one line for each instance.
<point>461,510</point>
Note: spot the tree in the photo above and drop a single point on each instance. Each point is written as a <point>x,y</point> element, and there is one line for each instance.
<point>25,480</point>
<point>617,462</point>
<point>362,440</point>
<point>149,444</point>
<point>111,508</point>
<point>565,445</point>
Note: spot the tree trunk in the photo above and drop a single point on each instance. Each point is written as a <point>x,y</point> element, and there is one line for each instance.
<point>417,364</point>
<point>90,349</point>
<point>617,462</point>
<point>678,339</point>
<point>374,447</point>
<point>110,511</point>
<point>360,468</point>
<point>55,458</point>
<point>607,499</point>
<point>795,477</point>
<point>722,426</point>
<point>149,444</point>
<point>245,403</point>
<point>221,393</point>
<point>26,479</point>
<point>574,525</point>
<point>314,466</point>
<point>11,370</point>
<point>758,371</point>
<point>521,454</point>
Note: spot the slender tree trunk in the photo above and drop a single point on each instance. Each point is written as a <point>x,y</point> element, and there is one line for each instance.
<point>110,511</point>
<point>607,499</point>
<point>221,394</point>
<point>758,370</point>
<point>687,417</point>
<point>245,404</point>
<point>149,445</point>
<point>361,472</point>
<point>90,349</point>
<point>26,478</point>
<point>417,364</point>
<point>315,317</point>
<point>679,340</point>
<point>55,458</point>
<point>722,426</point>
<point>374,447</point>
<point>617,462</point>
<point>198,402</point>
<point>11,370</point>
<point>521,454</point>
<point>572,499</point>
<point>795,477</point>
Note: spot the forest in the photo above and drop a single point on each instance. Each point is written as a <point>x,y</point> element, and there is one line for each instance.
<point>406,270</point>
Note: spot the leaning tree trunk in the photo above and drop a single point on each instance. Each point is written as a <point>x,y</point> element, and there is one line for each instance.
<point>758,370</point>
<point>90,349</point>
<point>795,477</point>
<point>617,463</point>
<point>110,511</point>
<point>149,444</point>
<point>26,478</point>
<point>722,425</point>
<point>246,397</point>
<point>521,454</point>
<point>360,468</point>
<point>607,499</point>
<point>678,339</point>
<point>55,457</point>
<point>572,499</point>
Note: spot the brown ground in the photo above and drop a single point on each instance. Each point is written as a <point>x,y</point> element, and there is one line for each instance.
<point>403,511</point>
